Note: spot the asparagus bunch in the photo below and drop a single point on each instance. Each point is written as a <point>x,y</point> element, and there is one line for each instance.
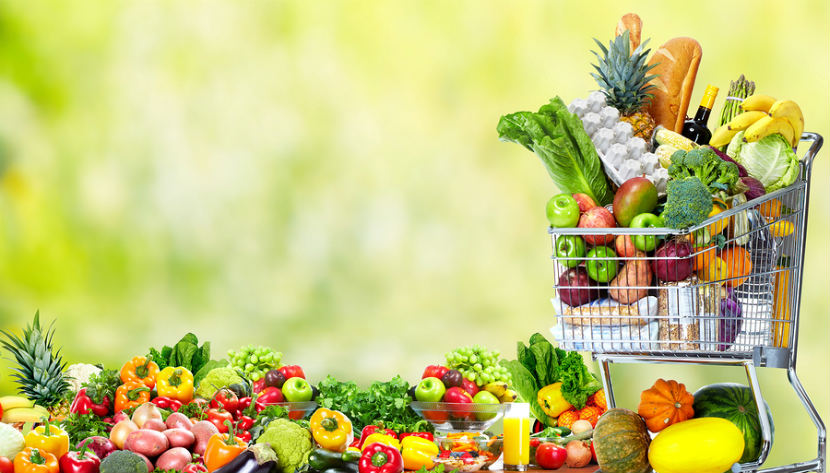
<point>738,90</point>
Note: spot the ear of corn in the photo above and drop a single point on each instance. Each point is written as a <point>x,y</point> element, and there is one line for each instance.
<point>664,153</point>
<point>664,136</point>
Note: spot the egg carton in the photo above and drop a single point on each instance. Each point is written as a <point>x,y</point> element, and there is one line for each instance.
<point>623,156</point>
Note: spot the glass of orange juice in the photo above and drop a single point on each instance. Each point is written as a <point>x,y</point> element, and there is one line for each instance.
<point>517,436</point>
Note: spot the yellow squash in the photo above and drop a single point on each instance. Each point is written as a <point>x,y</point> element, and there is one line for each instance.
<point>704,445</point>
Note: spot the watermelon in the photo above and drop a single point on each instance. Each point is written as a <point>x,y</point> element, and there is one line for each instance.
<point>735,403</point>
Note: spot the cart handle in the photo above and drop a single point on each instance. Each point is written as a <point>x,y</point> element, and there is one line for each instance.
<point>816,141</point>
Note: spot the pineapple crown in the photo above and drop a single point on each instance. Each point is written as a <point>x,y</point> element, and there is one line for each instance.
<point>40,371</point>
<point>621,74</point>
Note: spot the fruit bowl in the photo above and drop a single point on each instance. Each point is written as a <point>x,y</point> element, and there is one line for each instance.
<point>468,451</point>
<point>459,417</point>
<point>298,410</point>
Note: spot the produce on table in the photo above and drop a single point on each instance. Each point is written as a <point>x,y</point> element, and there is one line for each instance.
<point>560,141</point>
<point>562,211</point>
<point>735,403</point>
<point>291,442</point>
<point>540,365</point>
<point>331,430</point>
<point>123,461</point>
<point>621,442</point>
<point>718,444</point>
<point>664,404</point>
<point>40,371</point>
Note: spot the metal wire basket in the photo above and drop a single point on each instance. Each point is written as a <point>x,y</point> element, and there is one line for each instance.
<point>720,288</point>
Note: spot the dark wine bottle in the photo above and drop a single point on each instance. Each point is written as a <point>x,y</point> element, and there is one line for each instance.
<point>695,129</point>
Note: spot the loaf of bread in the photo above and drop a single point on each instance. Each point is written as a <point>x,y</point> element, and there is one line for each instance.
<point>677,62</point>
<point>634,25</point>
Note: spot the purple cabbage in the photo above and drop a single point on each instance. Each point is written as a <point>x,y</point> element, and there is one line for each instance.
<point>741,170</point>
<point>730,324</point>
<point>755,187</point>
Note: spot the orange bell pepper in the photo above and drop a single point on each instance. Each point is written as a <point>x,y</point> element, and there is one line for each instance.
<point>48,439</point>
<point>132,394</point>
<point>222,448</point>
<point>140,369</point>
<point>34,460</point>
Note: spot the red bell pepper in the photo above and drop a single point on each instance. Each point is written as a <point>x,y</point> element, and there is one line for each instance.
<point>83,404</point>
<point>83,461</point>
<point>226,399</point>
<point>292,371</point>
<point>218,417</point>
<point>167,403</point>
<point>380,458</point>
<point>195,468</point>
<point>267,397</point>
<point>423,435</point>
<point>371,429</point>
<point>245,423</point>
<point>435,371</point>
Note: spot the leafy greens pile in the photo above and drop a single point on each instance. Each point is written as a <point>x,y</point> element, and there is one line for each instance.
<point>384,403</point>
<point>558,138</point>
<point>186,353</point>
<point>541,364</point>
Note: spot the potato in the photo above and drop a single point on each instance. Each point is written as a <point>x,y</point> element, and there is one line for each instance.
<point>176,420</point>
<point>149,443</point>
<point>179,437</point>
<point>203,431</point>
<point>155,424</point>
<point>634,273</point>
<point>174,459</point>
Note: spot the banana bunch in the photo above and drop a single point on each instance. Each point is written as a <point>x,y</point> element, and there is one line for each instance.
<point>19,409</point>
<point>501,391</point>
<point>763,116</point>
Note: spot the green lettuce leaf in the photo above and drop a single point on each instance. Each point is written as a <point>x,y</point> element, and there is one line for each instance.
<point>771,160</point>
<point>560,141</point>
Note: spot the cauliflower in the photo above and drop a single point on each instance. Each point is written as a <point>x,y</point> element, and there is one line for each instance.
<point>217,379</point>
<point>291,442</point>
<point>79,374</point>
<point>11,441</point>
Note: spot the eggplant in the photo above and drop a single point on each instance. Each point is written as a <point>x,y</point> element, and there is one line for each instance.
<point>259,458</point>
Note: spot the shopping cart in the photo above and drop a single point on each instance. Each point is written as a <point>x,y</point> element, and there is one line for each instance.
<point>725,292</point>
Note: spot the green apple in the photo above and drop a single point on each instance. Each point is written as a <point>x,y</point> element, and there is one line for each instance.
<point>297,389</point>
<point>562,211</point>
<point>485,397</point>
<point>646,220</point>
<point>570,249</point>
<point>430,390</point>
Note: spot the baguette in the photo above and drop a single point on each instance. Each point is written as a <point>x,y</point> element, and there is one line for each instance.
<point>634,25</point>
<point>677,63</point>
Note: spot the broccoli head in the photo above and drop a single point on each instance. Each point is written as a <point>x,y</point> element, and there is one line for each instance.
<point>688,202</point>
<point>716,174</point>
<point>291,442</point>
<point>123,461</point>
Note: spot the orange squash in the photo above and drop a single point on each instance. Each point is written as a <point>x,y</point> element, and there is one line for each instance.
<point>664,404</point>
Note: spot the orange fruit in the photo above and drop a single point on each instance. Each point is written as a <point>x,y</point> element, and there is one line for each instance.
<point>599,399</point>
<point>771,209</point>
<point>703,256</point>
<point>738,265</point>
<point>567,418</point>
<point>591,414</point>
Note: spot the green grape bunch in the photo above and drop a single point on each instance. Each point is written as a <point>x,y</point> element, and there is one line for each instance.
<point>478,364</point>
<point>253,362</point>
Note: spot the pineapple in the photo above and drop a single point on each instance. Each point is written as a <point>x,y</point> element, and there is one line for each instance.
<point>622,76</point>
<point>40,374</point>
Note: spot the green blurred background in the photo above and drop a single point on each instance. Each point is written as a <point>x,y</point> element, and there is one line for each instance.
<point>325,177</point>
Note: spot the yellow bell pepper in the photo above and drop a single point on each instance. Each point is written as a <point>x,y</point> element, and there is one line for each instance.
<point>175,383</point>
<point>382,438</point>
<point>418,453</point>
<point>331,429</point>
<point>551,400</point>
<point>48,438</point>
<point>718,206</point>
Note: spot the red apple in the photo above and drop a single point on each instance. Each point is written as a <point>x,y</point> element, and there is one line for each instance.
<point>576,288</point>
<point>585,202</point>
<point>624,246</point>
<point>458,395</point>
<point>470,387</point>
<point>597,217</point>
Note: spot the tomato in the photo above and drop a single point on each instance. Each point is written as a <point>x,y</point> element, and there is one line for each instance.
<point>593,453</point>
<point>6,465</point>
<point>550,456</point>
